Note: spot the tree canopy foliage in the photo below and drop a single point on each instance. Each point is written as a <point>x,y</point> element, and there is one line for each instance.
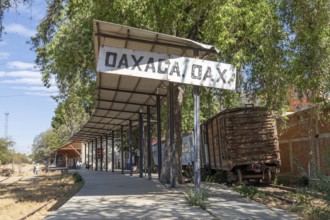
<point>44,144</point>
<point>308,37</point>
<point>7,4</point>
<point>274,44</point>
<point>5,150</point>
<point>8,155</point>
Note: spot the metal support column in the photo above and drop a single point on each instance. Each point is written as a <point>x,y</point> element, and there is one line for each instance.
<point>101,153</point>
<point>172,148</point>
<point>88,151</point>
<point>130,149</point>
<point>159,138</point>
<point>149,142</point>
<point>122,148</point>
<point>85,149</point>
<point>141,145</point>
<point>96,159</point>
<point>113,152</point>
<point>92,165</point>
<point>106,153</point>
<point>197,168</point>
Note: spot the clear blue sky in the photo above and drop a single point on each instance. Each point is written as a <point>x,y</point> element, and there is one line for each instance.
<point>22,93</point>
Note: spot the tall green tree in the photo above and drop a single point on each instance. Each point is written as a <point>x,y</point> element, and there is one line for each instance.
<point>44,144</point>
<point>72,112</point>
<point>6,150</point>
<point>308,27</point>
<point>250,35</point>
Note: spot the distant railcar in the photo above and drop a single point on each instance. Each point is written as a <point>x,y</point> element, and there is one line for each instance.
<point>243,143</point>
<point>187,156</point>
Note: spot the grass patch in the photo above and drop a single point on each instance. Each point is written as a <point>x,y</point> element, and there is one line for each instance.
<point>309,202</point>
<point>217,177</point>
<point>77,178</point>
<point>247,191</point>
<point>197,198</point>
<point>21,198</point>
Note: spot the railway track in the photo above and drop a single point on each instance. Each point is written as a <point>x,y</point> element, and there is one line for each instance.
<point>14,182</point>
<point>4,179</point>
<point>37,209</point>
<point>279,197</point>
<point>274,193</point>
<point>281,192</point>
<point>291,189</point>
<point>10,181</point>
<point>295,190</point>
<point>19,192</point>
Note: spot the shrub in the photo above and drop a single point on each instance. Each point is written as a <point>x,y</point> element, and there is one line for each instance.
<point>323,186</point>
<point>6,172</point>
<point>320,213</point>
<point>248,191</point>
<point>77,178</point>
<point>217,177</point>
<point>303,181</point>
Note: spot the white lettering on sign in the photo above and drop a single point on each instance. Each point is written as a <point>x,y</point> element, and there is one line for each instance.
<point>166,67</point>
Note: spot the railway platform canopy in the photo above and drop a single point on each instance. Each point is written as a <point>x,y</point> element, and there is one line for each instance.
<point>65,156</point>
<point>136,69</point>
<point>70,150</point>
<point>121,98</point>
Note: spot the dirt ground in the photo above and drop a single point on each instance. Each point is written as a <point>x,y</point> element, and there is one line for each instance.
<point>25,195</point>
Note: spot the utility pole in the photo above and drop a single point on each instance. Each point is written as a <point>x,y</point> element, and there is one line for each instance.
<point>6,124</point>
<point>6,135</point>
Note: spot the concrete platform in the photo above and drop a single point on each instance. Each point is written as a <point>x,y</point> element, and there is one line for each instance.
<point>109,195</point>
<point>117,196</point>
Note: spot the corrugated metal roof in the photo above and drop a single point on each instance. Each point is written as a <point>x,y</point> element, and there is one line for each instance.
<point>121,98</point>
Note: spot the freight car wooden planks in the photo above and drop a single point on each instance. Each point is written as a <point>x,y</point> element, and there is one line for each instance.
<point>242,142</point>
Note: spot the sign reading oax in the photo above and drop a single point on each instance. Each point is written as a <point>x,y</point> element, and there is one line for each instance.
<point>166,67</point>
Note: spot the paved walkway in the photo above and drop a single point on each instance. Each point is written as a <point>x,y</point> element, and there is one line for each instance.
<point>116,196</point>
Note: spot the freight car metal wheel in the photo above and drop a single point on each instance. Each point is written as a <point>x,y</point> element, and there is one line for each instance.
<point>239,176</point>
<point>268,176</point>
<point>230,177</point>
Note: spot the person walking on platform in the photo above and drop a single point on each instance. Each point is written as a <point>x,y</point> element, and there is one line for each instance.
<point>36,168</point>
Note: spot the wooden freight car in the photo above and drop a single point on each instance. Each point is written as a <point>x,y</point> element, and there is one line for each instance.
<point>243,143</point>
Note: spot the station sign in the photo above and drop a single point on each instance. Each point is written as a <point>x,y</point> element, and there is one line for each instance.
<point>166,67</point>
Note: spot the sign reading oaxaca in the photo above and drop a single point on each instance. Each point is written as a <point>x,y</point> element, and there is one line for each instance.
<point>166,67</point>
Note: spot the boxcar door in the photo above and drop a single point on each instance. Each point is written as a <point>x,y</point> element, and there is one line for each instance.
<point>205,160</point>
<point>222,142</point>
<point>211,146</point>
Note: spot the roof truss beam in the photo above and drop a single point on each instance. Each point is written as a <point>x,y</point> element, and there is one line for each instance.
<point>128,91</point>
<point>103,123</point>
<point>152,42</point>
<point>122,102</point>
<point>114,118</point>
<point>116,110</point>
<point>103,129</point>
